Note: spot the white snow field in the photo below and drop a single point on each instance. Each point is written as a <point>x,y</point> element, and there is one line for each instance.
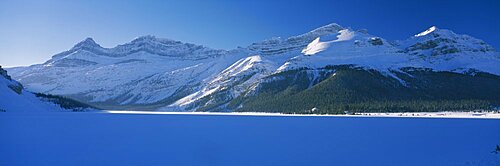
<point>471,114</point>
<point>72,138</point>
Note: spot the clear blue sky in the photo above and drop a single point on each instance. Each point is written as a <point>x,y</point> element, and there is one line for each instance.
<point>32,31</point>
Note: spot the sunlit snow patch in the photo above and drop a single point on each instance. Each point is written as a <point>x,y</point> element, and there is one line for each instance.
<point>317,46</point>
<point>431,29</point>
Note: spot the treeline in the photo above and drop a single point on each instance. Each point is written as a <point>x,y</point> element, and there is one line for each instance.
<point>64,102</point>
<point>360,90</point>
<point>322,106</point>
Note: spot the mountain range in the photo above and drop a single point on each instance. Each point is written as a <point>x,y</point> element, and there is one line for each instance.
<point>331,69</point>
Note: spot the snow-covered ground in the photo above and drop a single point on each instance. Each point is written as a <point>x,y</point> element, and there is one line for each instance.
<point>72,138</point>
<point>481,115</point>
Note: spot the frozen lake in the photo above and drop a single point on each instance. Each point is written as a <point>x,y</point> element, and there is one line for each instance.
<point>134,139</point>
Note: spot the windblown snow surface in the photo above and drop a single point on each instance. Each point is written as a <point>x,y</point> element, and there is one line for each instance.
<point>70,138</point>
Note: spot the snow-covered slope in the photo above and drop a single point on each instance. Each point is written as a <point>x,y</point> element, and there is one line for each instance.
<point>150,73</point>
<point>278,45</point>
<point>145,71</point>
<point>13,97</point>
<point>348,47</point>
<point>443,49</point>
<point>434,48</point>
<point>333,45</point>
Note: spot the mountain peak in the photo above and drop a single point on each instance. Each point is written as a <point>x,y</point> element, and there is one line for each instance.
<point>430,30</point>
<point>278,45</point>
<point>329,28</point>
<point>153,39</point>
<point>145,38</point>
<point>433,42</point>
<point>325,30</point>
<point>87,43</point>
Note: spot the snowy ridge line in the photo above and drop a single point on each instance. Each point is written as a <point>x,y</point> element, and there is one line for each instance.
<point>453,115</point>
<point>157,74</point>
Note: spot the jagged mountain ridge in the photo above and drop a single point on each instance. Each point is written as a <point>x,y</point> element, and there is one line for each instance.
<point>161,74</point>
<point>150,44</point>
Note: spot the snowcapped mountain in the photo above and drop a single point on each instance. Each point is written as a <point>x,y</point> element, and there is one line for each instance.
<point>150,73</point>
<point>278,45</point>
<point>145,71</point>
